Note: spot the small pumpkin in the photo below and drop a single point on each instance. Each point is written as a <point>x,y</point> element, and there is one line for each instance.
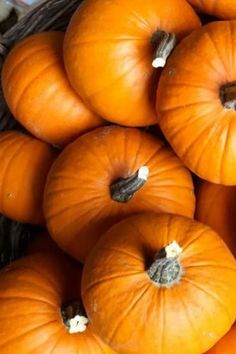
<point>227,344</point>
<point>24,165</point>
<point>109,49</point>
<point>196,102</point>
<point>216,207</point>
<point>41,308</point>
<point>38,93</point>
<point>106,175</point>
<point>158,282</point>
<point>225,9</point>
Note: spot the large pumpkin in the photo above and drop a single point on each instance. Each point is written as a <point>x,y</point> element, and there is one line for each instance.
<point>225,9</point>
<point>41,309</point>
<point>107,175</point>
<point>109,49</point>
<point>38,93</point>
<point>216,207</point>
<point>227,344</point>
<point>24,165</point>
<point>160,284</point>
<point>196,102</point>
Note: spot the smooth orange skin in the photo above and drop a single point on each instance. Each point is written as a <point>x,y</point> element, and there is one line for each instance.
<point>32,291</point>
<point>108,54</point>
<point>38,92</point>
<point>138,316</point>
<point>227,344</point>
<point>77,204</point>
<point>225,9</point>
<point>191,115</point>
<point>24,165</point>
<point>216,207</point>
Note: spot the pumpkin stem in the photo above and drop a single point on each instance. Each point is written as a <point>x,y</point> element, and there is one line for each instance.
<point>164,43</point>
<point>228,95</point>
<point>166,269</point>
<point>74,317</point>
<point>123,189</point>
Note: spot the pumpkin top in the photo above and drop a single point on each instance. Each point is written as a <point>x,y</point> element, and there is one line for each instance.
<point>134,262</point>
<point>38,93</point>
<point>196,102</point>
<point>107,174</point>
<point>41,307</point>
<point>120,40</point>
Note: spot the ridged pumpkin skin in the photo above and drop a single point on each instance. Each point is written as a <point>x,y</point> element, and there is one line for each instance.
<point>216,207</point>
<point>225,9</point>
<point>191,114</point>
<point>32,292</point>
<point>77,203</point>
<point>133,314</point>
<point>227,344</point>
<point>108,54</point>
<point>38,92</point>
<point>24,165</point>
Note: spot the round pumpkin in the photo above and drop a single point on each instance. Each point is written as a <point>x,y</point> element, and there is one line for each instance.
<point>216,207</point>
<point>38,92</point>
<point>109,49</point>
<point>227,344</point>
<point>24,165</point>
<point>160,284</point>
<point>106,175</point>
<point>41,308</point>
<point>196,102</point>
<point>225,9</point>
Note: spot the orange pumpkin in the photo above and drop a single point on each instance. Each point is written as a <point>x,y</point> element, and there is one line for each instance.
<point>107,175</point>
<point>109,48</point>
<point>227,344</point>
<point>24,165</point>
<point>216,207</point>
<point>38,93</point>
<point>196,102</point>
<point>225,9</point>
<point>41,309</point>
<point>160,284</point>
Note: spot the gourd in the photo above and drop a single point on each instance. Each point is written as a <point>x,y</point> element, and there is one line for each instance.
<point>39,94</point>
<point>157,282</point>
<point>24,165</point>
<point>106,175</point>
<point>196,102</point>
<point>41,308</point>
<point>109,50</point>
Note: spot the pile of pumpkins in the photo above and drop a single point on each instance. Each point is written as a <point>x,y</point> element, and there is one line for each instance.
<point>134,258</point>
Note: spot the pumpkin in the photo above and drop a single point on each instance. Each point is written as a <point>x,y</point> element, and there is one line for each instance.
<point>41,308</point>
<point>196,102</point>
<point>160,284</point>
<point>216,208</point>
<point>38,93</point>
<point>227,344</point>
<point>225,9</point>
<point>24,165</point>
<point>106,175</point>
<point>109,50</point>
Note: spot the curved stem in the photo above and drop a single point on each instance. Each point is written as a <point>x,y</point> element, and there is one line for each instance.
<point>74,317</point>
<point>164,43</point>
<point>228,95</point>
<point>166,269</point>
<point>124,189</point>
